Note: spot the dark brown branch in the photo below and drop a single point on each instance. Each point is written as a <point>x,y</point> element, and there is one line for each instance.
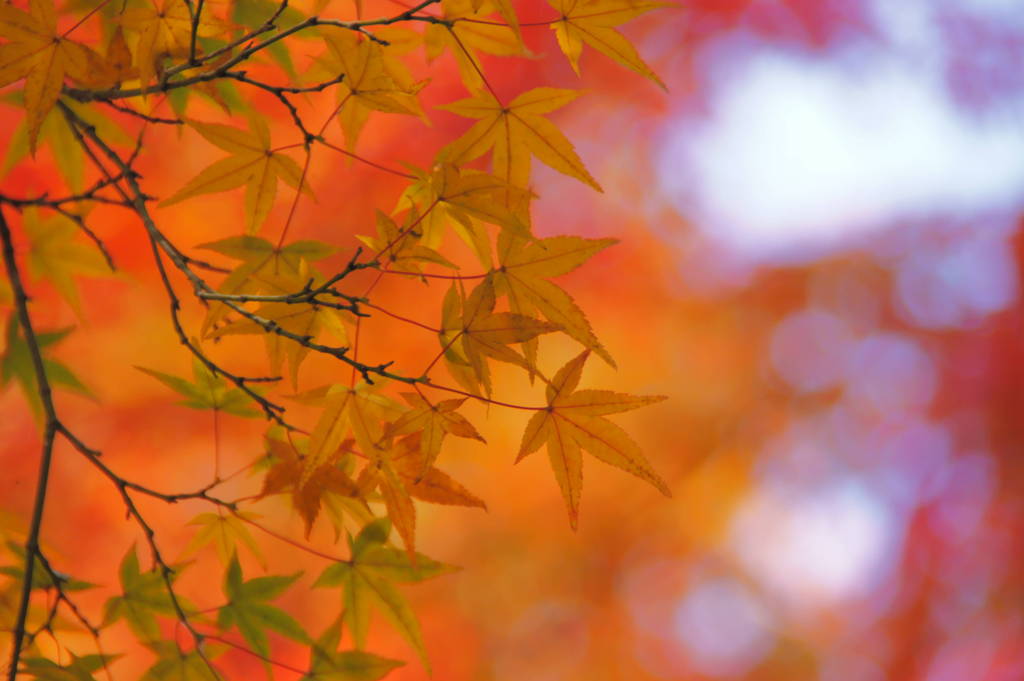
<point>49,433</point>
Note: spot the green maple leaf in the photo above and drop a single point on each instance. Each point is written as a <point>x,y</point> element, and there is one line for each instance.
<point>247,608</point>
<point>144,595</point>
<point>80,668</point>
<point>327,663</point>
<point>41,579</point>
<point>368,582</point>
<point>16,363</point>
<point>173,664</point>
<point>207,391</point>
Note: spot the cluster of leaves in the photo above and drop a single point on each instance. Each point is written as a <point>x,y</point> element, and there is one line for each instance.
<point>93,82</point>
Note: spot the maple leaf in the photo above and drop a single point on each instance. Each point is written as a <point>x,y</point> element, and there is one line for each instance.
<point>56,134</point>
<point>515,131</point>
<point>433,421</point>
<point>173,664</point>
<point>56,255</point>
<point>591,22</point>
<point>400,471</point>
<point>80,668</point>
<point>143,596</point>
<point>307,493</point>
<point>299,318</point>
<point>358,409</point>
<point>16,363</point>
<point>471,333</point>
<point>399,249</point>
<point>253,163</point>
<point>247,608</point>
<point>573,422</point>
<point>326,663</point>
<point>206,391</point>
<point>41,55</point>
<point>464,30</point>
<point>163,30</point>
<point>367,84</point>
<point>261,263</point>
<point>224,532</point>
<point>367,581</point>
<point>522,276</point>
<point>41,579</point>
<point>450,195</point>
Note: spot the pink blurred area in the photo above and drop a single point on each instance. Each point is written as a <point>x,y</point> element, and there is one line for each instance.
<point>819,264</point>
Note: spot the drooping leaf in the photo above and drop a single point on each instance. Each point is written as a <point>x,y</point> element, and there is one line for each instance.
<point>433,421</point>
<point>367,84</point>
<point>591,22</point>
<point>368,580</point>
<point>573,421</point>
<point>248,610</point>
<point>143,597</point>
<point>399,249</point>
<point>80,668</point>
<point>327,663</point>
<point>307,492</point>
<point>206,391</point>
<point>163,30</point>
<point>514,132</point>
<point>465,31</point>
<point>16,364</point>
<point>225,531</point>
<point>57,254</point>
<point>254,163</point>
<point>41,578</point>
<point>262,264</point>
<point>522,276</point>
<point>43,56</point>
<point>472,333</point>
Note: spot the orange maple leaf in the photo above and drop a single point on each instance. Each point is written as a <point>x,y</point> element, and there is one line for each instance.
<point>433,421</point>
<point>307,490</point>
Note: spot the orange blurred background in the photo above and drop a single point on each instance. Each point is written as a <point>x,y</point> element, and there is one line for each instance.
<point>834,317</point>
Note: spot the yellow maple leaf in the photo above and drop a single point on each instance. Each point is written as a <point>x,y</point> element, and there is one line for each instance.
<point>359,410</point>
<point>253,163</point>
<point>472,333</point>
<point>299,318</point>
<point>368,83</point>
<point>163,30</point>
<point>398,470</point>
<point>37,52</point>
<point>465,31</point>
<point>513,132</point>
<point>573,422</point>
<point>399,249</point>
<point>451,196</point>
<point>591,22</point>
<point>261,263</point>
<point>522,276</point>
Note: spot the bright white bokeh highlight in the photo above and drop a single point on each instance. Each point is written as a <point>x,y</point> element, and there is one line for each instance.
<point>816,546</point>
<point>801,153</point>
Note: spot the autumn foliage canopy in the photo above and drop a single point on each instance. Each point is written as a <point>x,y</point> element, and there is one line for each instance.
<point>359,357</point>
